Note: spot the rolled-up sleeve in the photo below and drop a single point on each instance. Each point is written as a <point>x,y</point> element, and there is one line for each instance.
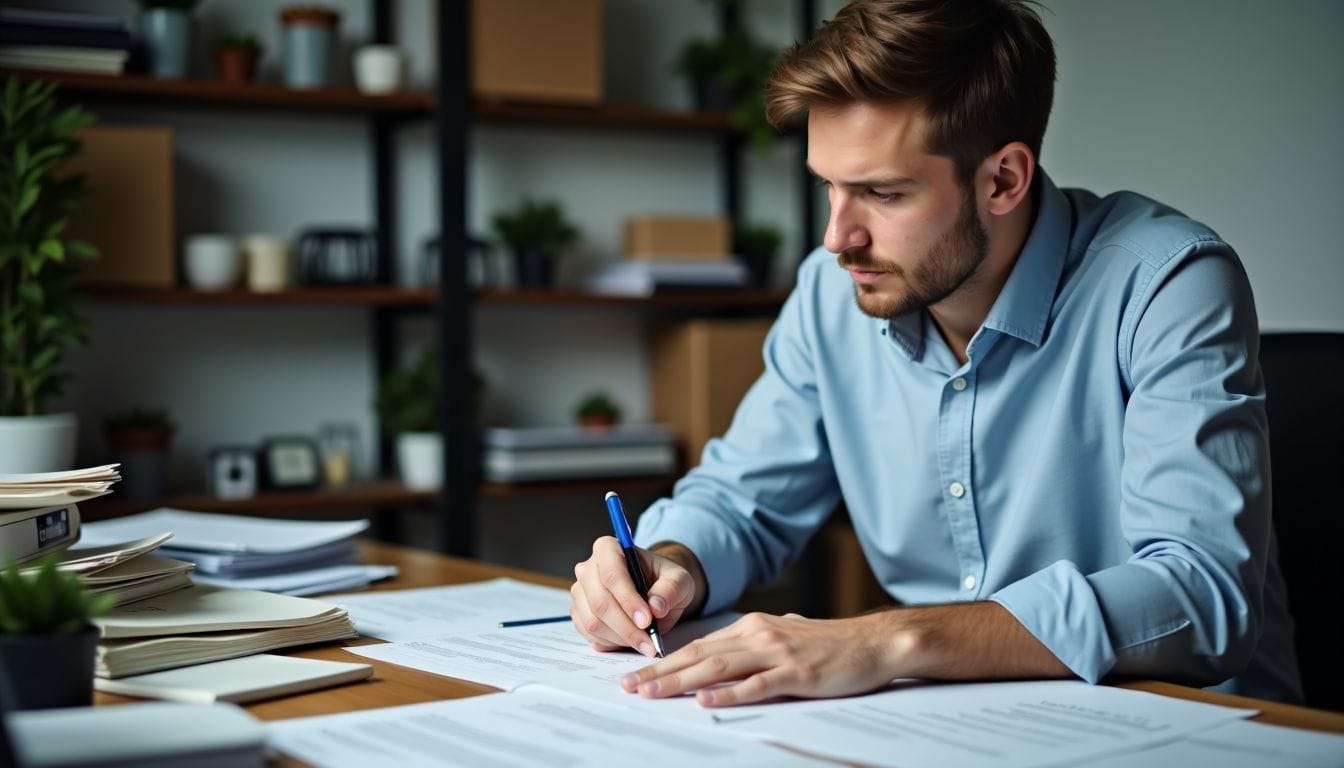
<point>763,488</point>
<point>1186,605</point>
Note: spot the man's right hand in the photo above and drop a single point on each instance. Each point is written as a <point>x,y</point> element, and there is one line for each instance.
<point>608,610</point>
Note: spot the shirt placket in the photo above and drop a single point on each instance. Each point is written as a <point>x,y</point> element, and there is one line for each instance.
<point>955,417</point>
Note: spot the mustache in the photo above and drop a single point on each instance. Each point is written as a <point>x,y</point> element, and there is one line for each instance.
<point>864,262</point>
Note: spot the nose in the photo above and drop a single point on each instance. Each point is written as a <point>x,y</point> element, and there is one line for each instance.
<point>844,229</point>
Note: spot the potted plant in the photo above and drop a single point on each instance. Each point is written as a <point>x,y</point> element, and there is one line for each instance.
<point>236,58</point>
<point>165,28</point>
<point>729,74</point>
<point>755,245</point>
<point>47,635</point>
<point>139,439</point>
<point>597,410</point>
<point>408,408</point>
<point>537,232</point>
<point>38,301</point>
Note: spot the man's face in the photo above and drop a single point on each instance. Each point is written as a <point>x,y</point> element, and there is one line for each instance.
<point>908,234</point>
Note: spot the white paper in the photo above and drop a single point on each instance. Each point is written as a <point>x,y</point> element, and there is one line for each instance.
<point>1239,744</point>
<point>534,727</point>
<point>308,582</point>
<point>86,559</point>
<point>1005,724</point>
<point>412,614</point>
<point>224,533</point>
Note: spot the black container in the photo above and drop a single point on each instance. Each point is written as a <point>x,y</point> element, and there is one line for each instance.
<point>337,257</point>
<point>48,671</point>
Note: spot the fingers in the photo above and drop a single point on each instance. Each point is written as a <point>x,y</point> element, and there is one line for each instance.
<point>606,607</point>
<point>720,673</point>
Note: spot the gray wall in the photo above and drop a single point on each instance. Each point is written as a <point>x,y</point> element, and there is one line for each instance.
<point>1229,109</point>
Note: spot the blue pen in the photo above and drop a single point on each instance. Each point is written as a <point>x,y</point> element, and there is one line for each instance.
<point>622,528</point>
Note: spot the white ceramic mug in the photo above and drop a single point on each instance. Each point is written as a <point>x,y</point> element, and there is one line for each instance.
<point>268,263</point>
<point>210,262</point>
<point>379,68</point>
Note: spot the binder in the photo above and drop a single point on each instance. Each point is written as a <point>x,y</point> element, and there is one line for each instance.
<point>28,533</point>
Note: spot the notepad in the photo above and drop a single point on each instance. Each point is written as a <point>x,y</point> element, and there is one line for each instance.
<point>250,678</point>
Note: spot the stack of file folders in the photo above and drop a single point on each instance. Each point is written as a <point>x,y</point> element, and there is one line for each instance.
<point>555,453</point>
<point>32,38</point>
<point>292,557</point>
<point>38,510</point>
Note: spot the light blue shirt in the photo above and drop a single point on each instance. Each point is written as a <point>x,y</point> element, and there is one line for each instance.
<point>1099,466</point>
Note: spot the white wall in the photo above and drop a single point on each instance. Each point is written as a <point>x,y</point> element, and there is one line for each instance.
<point>1229,109</point>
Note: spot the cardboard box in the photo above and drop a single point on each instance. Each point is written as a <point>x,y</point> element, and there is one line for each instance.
<point>128,214</point>
<point>680,238</point>
<point>700,371</point>
<point>539,50</point>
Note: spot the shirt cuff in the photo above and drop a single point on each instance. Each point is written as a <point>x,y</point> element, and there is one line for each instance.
<point>1058,607</point>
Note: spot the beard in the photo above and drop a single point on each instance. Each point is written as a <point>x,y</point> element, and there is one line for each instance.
<point>948,264</point>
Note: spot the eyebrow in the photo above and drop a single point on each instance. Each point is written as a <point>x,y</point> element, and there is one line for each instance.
<point>885,182</point>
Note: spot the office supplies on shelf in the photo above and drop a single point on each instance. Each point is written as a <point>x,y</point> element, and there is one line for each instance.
<point>621,527</point>
<point>644,278</point>
<point>149,735</point>
<point>240,680</point>
<point>29,533</point>
<point>514,454</point>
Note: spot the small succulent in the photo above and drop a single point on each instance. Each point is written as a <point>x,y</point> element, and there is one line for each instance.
<point>45,600</point>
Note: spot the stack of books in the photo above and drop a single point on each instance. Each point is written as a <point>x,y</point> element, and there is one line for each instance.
<point>62,41</point>
<point>38,510</point>
<point>645,278</point>
<point>292,557</point>
<point>557,453</point>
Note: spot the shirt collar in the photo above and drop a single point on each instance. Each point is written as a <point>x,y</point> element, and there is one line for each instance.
<point>1022,308</point>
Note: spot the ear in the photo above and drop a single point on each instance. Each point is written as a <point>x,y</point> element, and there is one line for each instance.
<point>1007,177</point>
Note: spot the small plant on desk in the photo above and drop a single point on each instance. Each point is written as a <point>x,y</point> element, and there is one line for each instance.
<point>47,635</point>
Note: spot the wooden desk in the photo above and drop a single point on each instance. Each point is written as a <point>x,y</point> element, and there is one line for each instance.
<point>392,685</point>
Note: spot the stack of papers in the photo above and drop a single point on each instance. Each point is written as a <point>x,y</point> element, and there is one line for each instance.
<point>31,490</point>
<point>38,512</point>
<point>644,278</point>
<point>554,453</point>
<point>204,623</point>
<point>127,570</point>
<point>293,557</point>
<point>241,680</point>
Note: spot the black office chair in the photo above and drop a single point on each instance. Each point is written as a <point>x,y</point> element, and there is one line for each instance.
<point>1304,384</point>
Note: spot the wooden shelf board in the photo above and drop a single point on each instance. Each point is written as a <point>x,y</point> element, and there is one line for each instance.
<point>601,116</point>
<point>597,486</point>
<point>359,295</point>
<point>216,93</point>
<point>384,493</point>
<point>690,299</point>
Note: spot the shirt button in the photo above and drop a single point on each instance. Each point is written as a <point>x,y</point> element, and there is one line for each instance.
<point>968,582</point>
<point>959,384</point>
<point>957,489</point>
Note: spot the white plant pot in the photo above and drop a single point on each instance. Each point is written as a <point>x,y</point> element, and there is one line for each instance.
<point>420,460</point>
<point>38,443</point>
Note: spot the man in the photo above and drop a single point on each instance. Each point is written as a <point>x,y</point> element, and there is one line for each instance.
<point>1045,414</point>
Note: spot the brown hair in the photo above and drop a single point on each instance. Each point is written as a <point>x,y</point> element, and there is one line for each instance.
<point>984,70</point>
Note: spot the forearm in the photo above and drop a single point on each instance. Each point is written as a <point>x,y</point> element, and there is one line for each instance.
<point>969,641</point>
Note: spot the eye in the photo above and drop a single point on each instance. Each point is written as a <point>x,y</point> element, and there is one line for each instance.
<point>884,197</point>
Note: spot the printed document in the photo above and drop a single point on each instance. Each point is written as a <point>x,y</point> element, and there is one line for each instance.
<point>1240,744</point>
<point>412,614</point>
<point>535,727</point>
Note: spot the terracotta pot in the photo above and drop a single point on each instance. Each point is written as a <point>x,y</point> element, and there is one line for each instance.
<point>236,66</point>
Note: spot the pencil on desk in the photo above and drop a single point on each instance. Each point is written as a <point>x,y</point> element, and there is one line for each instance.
<point>530,622</point>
